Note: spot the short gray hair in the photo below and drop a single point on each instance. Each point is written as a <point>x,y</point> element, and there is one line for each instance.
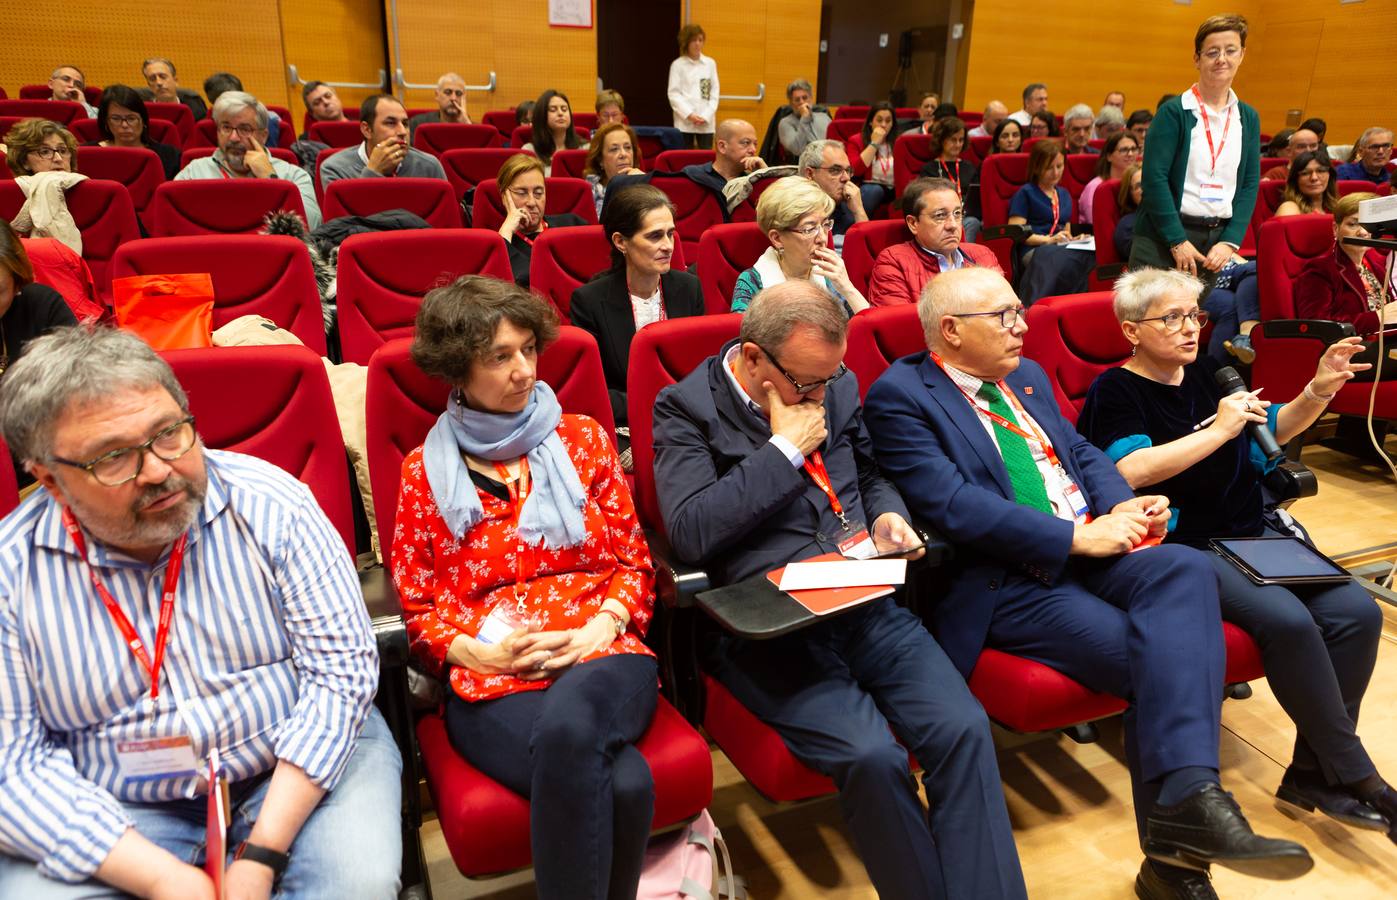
<point>230,103</point>
<point>950,293</point>
<point>145,63</point>
<point>777,311</point>
<point>1109,115</point>
<point>1370,133</point>
<point>75,364</point>
<point>800,84</point>
<point>1137,290</point>
<point>813,156</point>
<point>1080,111</point>
<point>450,76</point>
<point>66,66</point>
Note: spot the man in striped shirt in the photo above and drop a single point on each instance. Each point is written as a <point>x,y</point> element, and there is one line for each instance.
<point>158,601</point>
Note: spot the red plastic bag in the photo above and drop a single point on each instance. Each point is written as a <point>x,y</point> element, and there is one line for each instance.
<point>171,312</point>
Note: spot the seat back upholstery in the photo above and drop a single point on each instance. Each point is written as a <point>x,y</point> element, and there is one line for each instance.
<point>204,134</point>
<point>273,403</point>
<point>979,145</point>
<point>467,168</point>
<point>844,129</point>
<point>9,486</point>
<point>564,195</point>
<point>1079,169</point>
<point>61,111</point>
<point>430,198</point>
<point>1000,178</point>
<point>383,278</point>
<point>177,113</point>
<point>438,137</point>
<point>725,252</point>
<point>138,168</point>
<point>662,354</point>
<point>104,215</point>
<point>584,121</point>
<point>336,134</point>
<point>879,336</point>
<point>564,259</point>
<point>865,240</point>
<point>850,112</point>
<point>677,160</point>
<point>350,112</point>
<point>1074,338</point>
<point>570,164</point>
<point>746,211</point>
<point>219,206</point>
<point>502,120</point>
<point>403,403</point>
<point>253,274</point>
<point>696,209</point>
<point>1105,215</point>
<point>910,152</point>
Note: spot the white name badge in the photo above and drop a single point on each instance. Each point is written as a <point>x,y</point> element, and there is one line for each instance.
<point>1212,192</point>
<point>858,545</point>
<point>1076,500</point>
<point>156,759</point>
<point>497,626</point>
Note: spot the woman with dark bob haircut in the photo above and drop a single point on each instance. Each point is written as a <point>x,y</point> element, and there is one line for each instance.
<point>123,121</point>
<point>527,586</point>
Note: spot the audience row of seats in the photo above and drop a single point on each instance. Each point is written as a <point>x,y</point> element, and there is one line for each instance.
<point>170,123</point>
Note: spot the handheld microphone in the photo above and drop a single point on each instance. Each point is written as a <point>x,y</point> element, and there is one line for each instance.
<point>1231,383</point>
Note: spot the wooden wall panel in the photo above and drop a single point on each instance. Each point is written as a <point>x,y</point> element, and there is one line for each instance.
<point>436,38</point>
<point>531,57</point>
<point>332,40</point>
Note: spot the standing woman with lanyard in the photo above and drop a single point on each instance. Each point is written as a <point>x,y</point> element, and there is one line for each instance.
<point>1202,164</point>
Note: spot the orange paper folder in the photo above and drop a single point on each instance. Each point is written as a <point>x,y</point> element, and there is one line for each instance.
<point>828,600</point>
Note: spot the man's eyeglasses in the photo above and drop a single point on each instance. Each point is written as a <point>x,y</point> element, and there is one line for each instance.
<point>814,228</point>
<point>242,130</point>
<point>1008,318</point>
<point>52,152</point>
<point>802,388</point>
<point>1175,321</point>
<point>837,171</point>
<point>1379,147</point>
<point>117,467</point>
<point>942,216</point>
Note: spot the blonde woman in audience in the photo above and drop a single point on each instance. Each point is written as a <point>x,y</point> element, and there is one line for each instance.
<point>1311,186</point>
<point>614,150</point>
<point>611,108</point>
<point>795,215</point>
<point>693,89</point>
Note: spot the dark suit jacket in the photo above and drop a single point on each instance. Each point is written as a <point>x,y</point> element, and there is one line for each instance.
<point>931,444</point>
<point>732,501</point>
<point>602,307</point>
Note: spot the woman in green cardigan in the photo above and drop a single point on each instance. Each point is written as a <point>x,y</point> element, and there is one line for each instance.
<point>1202,164</point>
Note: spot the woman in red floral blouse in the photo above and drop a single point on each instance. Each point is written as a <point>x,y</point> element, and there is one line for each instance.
<point>527,585</point>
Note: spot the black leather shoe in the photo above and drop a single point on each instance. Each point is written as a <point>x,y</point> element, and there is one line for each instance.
<point>1308,791</point>
<point>1157,881</point>
<point>1208,827</point>
<point>1385,802</point>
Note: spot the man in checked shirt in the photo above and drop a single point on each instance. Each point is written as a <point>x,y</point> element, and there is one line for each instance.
<point>106,714</point>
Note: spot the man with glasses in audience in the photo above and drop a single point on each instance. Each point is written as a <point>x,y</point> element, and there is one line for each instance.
<point>384,152</point>
<point>450,96</point>
<point>762,459</point>
<point>160,601</point>
<point>1301,140</point>
<point>1374,152</point>
<point>1046,533</point>
<point>934,216</point>
<point>67,83</point>
<point>242,151</point>
<point>826,163</point>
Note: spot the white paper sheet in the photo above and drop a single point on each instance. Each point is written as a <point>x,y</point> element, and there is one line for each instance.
<point>850,573</point>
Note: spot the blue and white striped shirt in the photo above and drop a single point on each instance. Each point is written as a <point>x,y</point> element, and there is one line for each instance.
<point>270,656</point>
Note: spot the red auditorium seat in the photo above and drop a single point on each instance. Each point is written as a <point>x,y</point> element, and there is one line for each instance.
<point>725,251</point>
<point>910,153</point>
<point>979,146</point>
<point>565,195</point>
<point>971,119</point>
<point>104,215</point>
<point>1074,338</point>
<point>136,167</point>
<point>746,211</point>
<point>877,337</point>
<point>273,403</point>
<point>438,137</point>
<point>1078,169</point>
<point>9,489</point>
<point>320,161</point>
<point>843,129</point>
<point>1105,215</point>
<point>383,277</point>
<point>1000,178</point>
<point>61,111</point>
<point>467,168</point>
<point>177,113</point>
<point>336,134</point>
<point>430,198</point>
<point>570,164</point>
<point>523,134</point>
<point>1270,162</point>
<point>584,121</point>
<point>864,241</point>
<point>650,149</point>
<point>87,132</point>
<point>696,209</point>
<point>193,153</point>
<point>676,160</point>
<point>564,259</point>
<point>350,112</point>
<point>253,274</point>
<point>907,112</point>
<point>502,120</point>
<point>219,206</point>
<point>851,112</point>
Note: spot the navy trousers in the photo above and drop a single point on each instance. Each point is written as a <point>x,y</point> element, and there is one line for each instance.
<point>1145,627</point>
<point>832,691</point>
<point>1319,644</point>
<point>571,751</point>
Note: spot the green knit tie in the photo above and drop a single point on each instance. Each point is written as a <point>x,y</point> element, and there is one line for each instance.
<point>1024,476</point>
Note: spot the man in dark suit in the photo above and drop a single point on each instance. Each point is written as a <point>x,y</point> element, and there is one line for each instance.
<point>1044,526</point>
<point>761,459</point>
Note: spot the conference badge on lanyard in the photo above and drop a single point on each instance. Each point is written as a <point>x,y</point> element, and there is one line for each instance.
<point>853,539</point>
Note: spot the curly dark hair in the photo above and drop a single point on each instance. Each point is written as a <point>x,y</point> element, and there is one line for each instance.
<point>456,324</point>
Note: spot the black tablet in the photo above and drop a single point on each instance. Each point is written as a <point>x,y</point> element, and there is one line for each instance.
<point>1280,560</point>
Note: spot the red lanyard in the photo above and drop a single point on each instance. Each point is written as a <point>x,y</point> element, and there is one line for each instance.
<point>542,227</point>
<point>1056,211</point>
<point>952,175</point>
<point>123,624</point>
<point>1037,437</point>
<point>517,496</point>
<point>885,163</point>
<point>815,467</point>
<point>635,310</point>
<point>1208,130</point>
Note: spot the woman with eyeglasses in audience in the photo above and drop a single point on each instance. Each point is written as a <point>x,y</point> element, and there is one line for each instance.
<point>1318,642</point>
<point>1008,138</point>
<point>794,213</point>
<point>123,121</point>
<point>871,153</point>
<point>947,144</point>
<point>614,150</point>
<point>1120,152</point>
<point>524,194</point>
<point>552,128</point>
<point>1347,285</point>
<point>527,586</point>
<point>1311,186</point>
<point>1043,124</point>
<point>1045,206</point>
<point>39,145</point>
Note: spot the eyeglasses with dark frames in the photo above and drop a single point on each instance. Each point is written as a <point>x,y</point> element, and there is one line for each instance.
<point>116,467</point>
<point>802,388</point>
<point>1174,321</point>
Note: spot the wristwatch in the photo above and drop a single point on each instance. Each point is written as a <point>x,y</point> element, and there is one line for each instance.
<point>620,623</point>
<point>272,859</point>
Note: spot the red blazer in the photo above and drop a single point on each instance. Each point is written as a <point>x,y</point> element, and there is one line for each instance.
<point>902,270</point>
<point>854,146</point>
<point>1329,287</point>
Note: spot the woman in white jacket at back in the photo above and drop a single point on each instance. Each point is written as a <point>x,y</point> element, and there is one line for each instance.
<point>693,89</point>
